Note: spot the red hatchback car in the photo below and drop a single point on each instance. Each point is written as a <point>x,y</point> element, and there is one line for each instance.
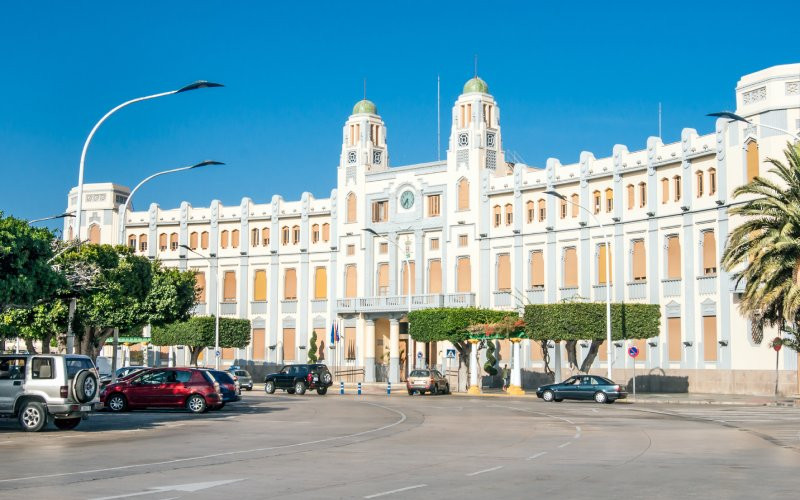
<point>195,390</point>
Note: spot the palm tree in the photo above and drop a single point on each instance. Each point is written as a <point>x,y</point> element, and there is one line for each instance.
<point>765,248</point>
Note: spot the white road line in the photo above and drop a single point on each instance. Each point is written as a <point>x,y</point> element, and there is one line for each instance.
<point>402,419</point>
<point>594,410</point>
<point>376,495</point>
<point>532,457</point>
<point>484,470</point>
<point>564,445</point>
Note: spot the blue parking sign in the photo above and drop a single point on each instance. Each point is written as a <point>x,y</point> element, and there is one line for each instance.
<point>633,351</point>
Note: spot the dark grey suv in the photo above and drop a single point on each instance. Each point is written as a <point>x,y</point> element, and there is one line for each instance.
<point>297,379</point>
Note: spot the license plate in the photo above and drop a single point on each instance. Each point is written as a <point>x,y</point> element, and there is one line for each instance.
<point>86,408</point>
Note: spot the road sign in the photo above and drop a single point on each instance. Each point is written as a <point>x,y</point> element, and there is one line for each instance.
<point>633,351</point>
<point>217,353</point>
<point>419,355</point>
<point>451,354</point>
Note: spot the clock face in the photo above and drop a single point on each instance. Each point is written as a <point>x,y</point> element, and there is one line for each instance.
<point>407,199</point>
<point>463,139</point>
<point>490,140</point>
<point>351,157</point>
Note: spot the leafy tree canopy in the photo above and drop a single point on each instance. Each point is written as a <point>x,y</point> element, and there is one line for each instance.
<point>587,321</point>
<point>450,323</point>
<point>197,333</point>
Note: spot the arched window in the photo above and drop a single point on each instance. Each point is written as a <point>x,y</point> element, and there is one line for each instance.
<point>676,181</point>
<point>162,242</point>
<point>70,233</point>
<point>609,200</point>
<point>673,257</point>
<point>326,232</point>
<point>498,217</point>
<point>351,208</point>
<point>504,272</point>
<point>752,160</point>
<point>698,176</point>
<point>712,181</point>
<point>542,205</point>
<point>562,208</point>
<point>173,241</point>
<point>193,240</point>
<point>664,190</point>
<point>575,204</point>
<point>94,234</point>
<point>235,238</point>
<point>132,242</point>
<point>223,239</point>
<point>320,283</point>
<point>254,237</point>
<point>709,253</point>
<point>290,284</point>
<point>315,233</point>
<point>631,196</point>
<point>537,269</point>
<point>463,194</point>
<point>142,242</point>
<point>295,235</point>
<point>639,261</point>
<point>642,194</point>
<point>285,235</point>
<point>265,237</point>
<point>350,281</point>
<point>601,265</point>
<point>509,214</point>
<point>463,275</point>
<point>260,285</point>
<point>435,276</point>
<point>530,209</point>
<point>204,240</point>
<point>596,198</point>
<point>570,270</point>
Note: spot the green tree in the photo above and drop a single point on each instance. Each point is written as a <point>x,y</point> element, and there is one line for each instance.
<point>197,333</point>
<point>764,250</point>
<point>41,322</point>
<point>488,366</point>
<point>26,275</point>
<point>312,348</point>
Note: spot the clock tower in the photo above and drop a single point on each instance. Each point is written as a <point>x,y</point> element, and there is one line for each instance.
<point>364,140</point>
<point>475,141</point>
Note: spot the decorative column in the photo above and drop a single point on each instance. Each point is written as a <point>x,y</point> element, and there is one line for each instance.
<point>474,388</point>
<point>515,387</point>
<point>394,350</point>
<point>369,351</point>
<point>126,355</point>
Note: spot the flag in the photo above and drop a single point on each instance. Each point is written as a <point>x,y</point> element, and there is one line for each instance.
<point>337,332</point>
<point>332,332</point>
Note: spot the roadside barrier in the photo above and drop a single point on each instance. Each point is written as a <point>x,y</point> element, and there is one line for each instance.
<point>341,388</point>
<point>359,388</point>
<point>388,388</point>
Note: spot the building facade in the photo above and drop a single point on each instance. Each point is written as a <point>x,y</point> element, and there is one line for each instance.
<point>477,230</point>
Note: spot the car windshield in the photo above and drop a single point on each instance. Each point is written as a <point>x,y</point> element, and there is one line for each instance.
<point>242,373</point>
<point>222,377</point>
<point>421,373</point>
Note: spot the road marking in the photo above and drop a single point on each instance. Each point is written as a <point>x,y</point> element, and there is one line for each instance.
<point>564,445</point>
<point>382,494</point>
<point>532,457</point>
<point>402,419</point>
<point>190,488</point>
<point>484,470</point>
<point>594,410</point>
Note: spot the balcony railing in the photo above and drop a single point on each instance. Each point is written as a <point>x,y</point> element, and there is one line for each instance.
<point>502,299</point>
<point>567,293</point>
<point>637,290</point>
<point>199,309</point>
<point>672,287</point>
<point>390,303</point>
<point>227,308</point>
<point>462,299</point>
<point>258,307</point>
<point>599,293</point>
<point>319,305</point>
<point>536,295</point>
<point>707,285</point>
<point>289,306</point>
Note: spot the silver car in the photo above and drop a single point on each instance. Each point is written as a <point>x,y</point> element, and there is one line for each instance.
<point>35,388</point>
<point>243,378</point>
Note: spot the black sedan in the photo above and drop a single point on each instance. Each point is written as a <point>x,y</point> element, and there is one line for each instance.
<point>601,389</point>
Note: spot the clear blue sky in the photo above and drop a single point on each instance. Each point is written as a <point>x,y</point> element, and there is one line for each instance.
<point>567,79</point>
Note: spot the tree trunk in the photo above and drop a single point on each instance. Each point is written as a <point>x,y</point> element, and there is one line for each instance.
<point>572,355</point>
<point>46,343</point>
<point>587,362</point>
<point>29,346</point>
<point>463,349</point>
<point>195,350</point>
<point>546,358</point>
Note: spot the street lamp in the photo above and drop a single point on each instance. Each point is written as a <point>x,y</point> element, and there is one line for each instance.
<point>737,118</point>
<point>52,217</point>
<point>608,266</point>
<point>124,207</point>
<point>216,305</point>
<point>192,86</point>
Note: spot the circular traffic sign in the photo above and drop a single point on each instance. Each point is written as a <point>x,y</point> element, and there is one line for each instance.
<point>633,351</point>
<point>419,355</point>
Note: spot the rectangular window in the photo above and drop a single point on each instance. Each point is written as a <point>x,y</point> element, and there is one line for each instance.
<point>463,275</point>
<point>229,286</point>
<point>674,338</point>
<point>434,244</point>
<point>288,344</point>
<point>563,209</point>
<point>709,253</point>
<point>433,205</point>
<point>200,287</point>
<point>326,232</point>
<point>320,283</point>
<point>463,240</point>
<point>639,261</point>
<point>677,187</point>
<point>259,343</point>
<point>380,211</point>
<point>537,269</point>
<point>673,258</point>
<point>435,276</point>
<point>602,254</point>
<point>383,278</point>
<point>406,277</point>
<point>351,250</point>
<point>383,248</point>
<point>710,338</point>
<point>260,285</point>
<point>699,182</point>
<point>42,368</point>
<point>642,194</point>
<point>609,200</point>
<point>712,182</point>
<point>570,268</point>
<point>631,196</point>
<point>290,284</point>
<point>504,272</point>
<point>597,202</point>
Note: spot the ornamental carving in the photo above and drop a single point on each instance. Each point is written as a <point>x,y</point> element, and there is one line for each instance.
<point>96,197</point>
<point>755,95</point>
<point>793,88</point>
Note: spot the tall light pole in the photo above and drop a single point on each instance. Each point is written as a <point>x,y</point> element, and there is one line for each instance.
<point>124,207</point>
<point>192,86</point>
<point>738,118</point>
<point>608,267</point>
<point>52,217</point>
<point>216,304</point>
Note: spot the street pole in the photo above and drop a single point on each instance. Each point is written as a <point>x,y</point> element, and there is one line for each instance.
<point>608,267</point>
<point>79,207</point>
<point>738,118</point>
<point>216,305</point>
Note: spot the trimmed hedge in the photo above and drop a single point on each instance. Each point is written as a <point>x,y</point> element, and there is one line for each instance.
<point>198,331</point>
<point>449,323</point>
<point>587,321</point>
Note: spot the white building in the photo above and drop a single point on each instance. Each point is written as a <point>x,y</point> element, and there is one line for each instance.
<point>477,230</point>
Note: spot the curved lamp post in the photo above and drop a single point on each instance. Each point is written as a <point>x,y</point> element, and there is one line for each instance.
<point>608,266</point>
<point>737,118</point>
<point>192,86</point>
<point>216,305</point>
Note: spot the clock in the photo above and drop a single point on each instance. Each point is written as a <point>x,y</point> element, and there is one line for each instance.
<point>377,156</point>
<point>407,200</point>
<point>463,139</point>
<point>351,157</point>
<point>490,140</point>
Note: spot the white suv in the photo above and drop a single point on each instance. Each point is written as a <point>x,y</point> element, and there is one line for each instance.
<point>35,388</point>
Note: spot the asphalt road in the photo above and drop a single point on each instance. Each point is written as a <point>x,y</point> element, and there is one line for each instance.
<point>334,446</point>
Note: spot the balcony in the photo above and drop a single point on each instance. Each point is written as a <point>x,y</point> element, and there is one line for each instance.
<point>637,290</point>
<point>227,308</point>
<point>258,307</point>
<point>199,309</point>
<point>289,306</point>
<point>502,299</point>
<point>568,293</point>
<point>459,300</point>
<point>319,305</point>
<point>672,287</point>
<point>599,293</point>
<point>536,295</point>
<point>707,285</point>
<point>399,303</point>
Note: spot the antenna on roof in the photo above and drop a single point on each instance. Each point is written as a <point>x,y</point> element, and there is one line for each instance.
<point>365,88</point>
<point>659,120</point>
<point>438,119</point>
<point>476,65</point>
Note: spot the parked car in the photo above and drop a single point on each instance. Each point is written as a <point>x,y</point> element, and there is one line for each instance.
<point>601,389</point>
<point>297,379</point>
<point>427,380</point>
<point>229,388</point>
<point>122,372</point>
<point>35,388</point>
<point>243,376</point>
<point>190,388</point>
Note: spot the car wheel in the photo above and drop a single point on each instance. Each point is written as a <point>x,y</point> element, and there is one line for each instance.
<point>326,378</point>
<point>67,424</point>
<point>219,406</point>
<point>250,388</point>
<point>299,388</point>
<point>322,391</point>
<point>196,404</point>
<point>117,403</point>
<point>269,387</point>
<point>410,393</point>
<point>600,397</point>
<point>548,396</point>
<point>289,391</point>
<point>85,388</point>
<point>32,416</point>
<point>447,389</point>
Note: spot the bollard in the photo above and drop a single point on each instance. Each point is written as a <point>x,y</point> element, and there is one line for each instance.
<point>359,388</point>
<point>388,388</point>
<point>341,388</point>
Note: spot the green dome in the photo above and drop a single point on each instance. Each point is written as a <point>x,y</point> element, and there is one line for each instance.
<point>365,106</point>
<point>476,85</point>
